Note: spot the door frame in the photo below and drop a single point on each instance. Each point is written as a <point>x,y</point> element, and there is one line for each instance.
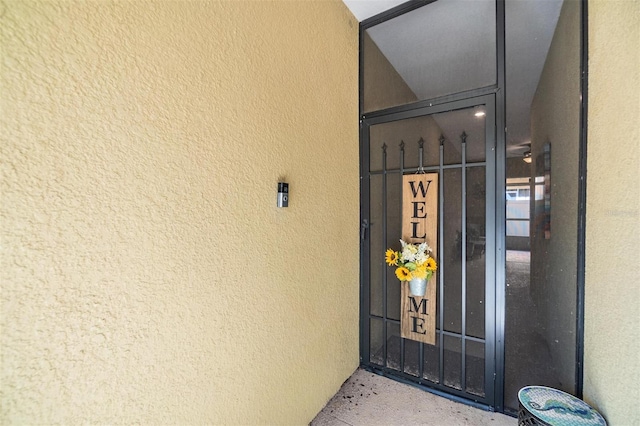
<point>499,90</point>
<point>494,228</point>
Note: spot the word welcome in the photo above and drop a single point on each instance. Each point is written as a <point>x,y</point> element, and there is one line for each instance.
<point>420,224</point>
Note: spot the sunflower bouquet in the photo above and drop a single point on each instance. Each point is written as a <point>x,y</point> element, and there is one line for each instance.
<point>413,261</point>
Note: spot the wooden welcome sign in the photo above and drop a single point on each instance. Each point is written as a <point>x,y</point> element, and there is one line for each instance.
<point>420,224</point>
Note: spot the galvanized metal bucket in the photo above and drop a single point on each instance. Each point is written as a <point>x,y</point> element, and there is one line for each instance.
<point>418,286</point>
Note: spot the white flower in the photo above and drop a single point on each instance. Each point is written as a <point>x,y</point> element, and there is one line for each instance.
<point>424,248</point>
<point>408,255</point>
<point>417,253</point>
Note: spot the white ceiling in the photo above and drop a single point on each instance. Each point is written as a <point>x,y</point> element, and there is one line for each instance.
<point>437,46</point>
<point>363,9</point>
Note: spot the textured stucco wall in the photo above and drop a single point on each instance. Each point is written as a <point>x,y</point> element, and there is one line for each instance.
<point>147,275</point>
<point>555,118</point>
<point>612,290</point>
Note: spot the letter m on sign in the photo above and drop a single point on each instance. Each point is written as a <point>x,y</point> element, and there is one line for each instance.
<point>415,307</point>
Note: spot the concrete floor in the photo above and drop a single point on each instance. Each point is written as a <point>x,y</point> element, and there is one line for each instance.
<point>369,399</point>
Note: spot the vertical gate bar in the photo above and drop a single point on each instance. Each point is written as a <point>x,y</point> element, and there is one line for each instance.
<point>463,370</point>
<point>421,350</point>
<point>440,260</point>
<point>495,153</point>
<point>497,232</point>
<point>582,198</point>
<point>365,178</point>
<point>421,151</point>
<point>365,249</point>
<point>384,244</point>
<point>400,207</point>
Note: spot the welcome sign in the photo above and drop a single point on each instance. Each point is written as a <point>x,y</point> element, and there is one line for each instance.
<point>420,224</point>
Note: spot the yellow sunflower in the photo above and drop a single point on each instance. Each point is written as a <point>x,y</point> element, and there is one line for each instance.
<point>431,264</point>
<point>391,257</point>
<point>403,274</point>
<point>420,272</point>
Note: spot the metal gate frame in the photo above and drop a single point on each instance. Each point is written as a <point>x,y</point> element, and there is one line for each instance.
<point>488,401</point>
<point>499,90</point>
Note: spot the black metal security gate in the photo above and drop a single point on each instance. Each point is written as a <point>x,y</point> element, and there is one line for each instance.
<point>458,141</point>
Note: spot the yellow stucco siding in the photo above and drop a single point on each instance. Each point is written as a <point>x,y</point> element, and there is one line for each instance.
<point>612,293</point>
<point>147,274</point>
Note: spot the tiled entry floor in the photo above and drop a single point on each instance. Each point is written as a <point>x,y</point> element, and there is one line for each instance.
<point>369,399</point>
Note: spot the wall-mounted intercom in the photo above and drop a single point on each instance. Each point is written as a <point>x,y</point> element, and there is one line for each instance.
<point>283,194</point>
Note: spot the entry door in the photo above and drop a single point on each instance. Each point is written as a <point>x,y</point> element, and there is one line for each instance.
<point>457,141</point>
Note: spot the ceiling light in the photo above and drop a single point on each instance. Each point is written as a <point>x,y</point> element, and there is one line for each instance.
<point>527,156</point>
<point>480,114</point>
